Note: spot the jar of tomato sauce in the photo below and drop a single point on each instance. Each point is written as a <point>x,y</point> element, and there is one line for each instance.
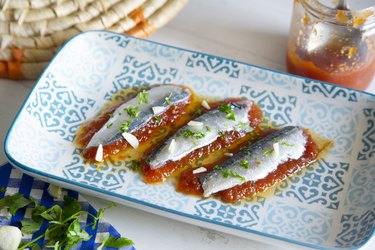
<point>332,42</point>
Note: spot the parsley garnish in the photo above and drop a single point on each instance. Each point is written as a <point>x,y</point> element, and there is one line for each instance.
<point>109,125</point>
<point>133,111</point>
<point>110,115</point>
<point>63,228</point>
<point>221,133</point>
<point>208,129</point>
<point>229,172</point>
<point>198,112</point>
<point>167,99</point>
<point>244,164</point>
<point>157,119</point>
<point>143,97</point>
<point>287,144</point>
<point>257,161</point>
<point>125,126</point>
<point>188,133</point>
<point>228,111</point>
<point>276,139</point>
<point>268,152</point>
<point>243,125</point>
<point>135,165</point>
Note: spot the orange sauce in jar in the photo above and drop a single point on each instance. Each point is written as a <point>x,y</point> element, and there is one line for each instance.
<point>358,77</point>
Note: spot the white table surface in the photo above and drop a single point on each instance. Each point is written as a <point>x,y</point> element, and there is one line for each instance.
<point>251,31</point>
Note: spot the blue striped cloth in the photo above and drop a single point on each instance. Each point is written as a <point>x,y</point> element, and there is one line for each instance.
<point>16,182</point>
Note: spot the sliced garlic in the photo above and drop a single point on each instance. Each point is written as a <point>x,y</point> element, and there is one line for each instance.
<point>228,154</point>
<point>195,124</point>
<point>133,141</point>
<point>54,191</point>
<point>99,153</point>
<point>172,146</point>
<point>199,170</point>
<point>158,109</point>
<point>276,149</point>
<point>205,104</point>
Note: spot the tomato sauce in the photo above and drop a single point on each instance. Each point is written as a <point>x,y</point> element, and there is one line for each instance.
<point>189,183</point>
<point>228,139</point>
<point>175,116</point>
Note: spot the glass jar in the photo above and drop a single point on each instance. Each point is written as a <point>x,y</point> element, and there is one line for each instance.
<point>331,44</point>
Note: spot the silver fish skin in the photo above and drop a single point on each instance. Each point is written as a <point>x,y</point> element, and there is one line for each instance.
<point>263,157</point>
<point>215,120</point>
<point>110,132</point>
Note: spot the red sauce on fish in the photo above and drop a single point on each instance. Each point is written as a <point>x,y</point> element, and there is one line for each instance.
<point>160,174</point>
<point>189,183</point>
<point>172,117</point>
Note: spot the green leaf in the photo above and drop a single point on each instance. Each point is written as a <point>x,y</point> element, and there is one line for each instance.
<point>143,97</point>
<point>52,214</point>
<point>56,232</point>
<point>71,207</point>
<point>114,242</point>
<point>227,109</point>
<point>36,212</point>
<point>35,247</point>
<point>133,111</point>
<point>124,127</point>
<point>14,202</point>
<point>30,227</point>
<point>75,235</point>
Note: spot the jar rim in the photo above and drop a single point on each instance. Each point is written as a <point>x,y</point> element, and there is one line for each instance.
<point>329,14</point>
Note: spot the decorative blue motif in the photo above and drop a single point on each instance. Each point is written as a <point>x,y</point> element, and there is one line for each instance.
<point>108,176</point>
<point>206,84</point>
<point>242,214</point>
<point>276,107</point>
<point>213,64</point>
<point>331,121</point>
<point>258,76</point>
<point>119,40</point>
<point>58,108</point>
<point>162,195</point>
<point>297,223</point>
<point>361,193</point>
<point>154,50</point>
<point>320,183</point>
<point>368,137</point>
<point>328,91</point>
<point>355,229</point>
<point>135,73</point>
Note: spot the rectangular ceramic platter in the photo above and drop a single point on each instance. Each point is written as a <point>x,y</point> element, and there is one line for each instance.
<point>329,205</point>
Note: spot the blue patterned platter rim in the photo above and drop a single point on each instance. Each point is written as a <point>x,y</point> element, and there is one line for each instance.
<point>331,204</point>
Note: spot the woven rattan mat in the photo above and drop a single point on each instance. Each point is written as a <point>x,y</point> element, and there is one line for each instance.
<point>33,30</point>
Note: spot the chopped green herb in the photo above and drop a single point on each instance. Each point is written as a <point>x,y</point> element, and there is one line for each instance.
<point>109,125</point>
<point>221,133</point>
<point>143,97</point>
<point>235,174</point>
<point>157,119</point>
<point>286,144</point>
<point>198,112</point>
<point>268,152</point>
<point>228,111</point>
<point>216,167</point>
<point>244,164</point>
<point>125,126</point>
<point>135,165</point>
<point>167,99</point>
<point>188,133</point>
<point>226,173</point>
<point>110,115</point>
<point>257,161</point>
<point>276,139</point>
<point>133,111</point>
<point>208,129</point>
<point>243,125</point>
<point>199,135</point>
